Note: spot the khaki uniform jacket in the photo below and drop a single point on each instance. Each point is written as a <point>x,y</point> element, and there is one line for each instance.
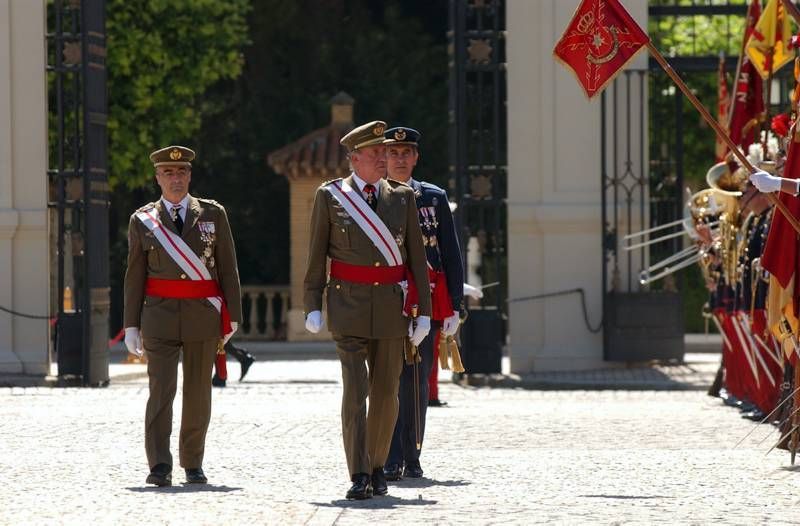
<point>355,309</point>
<point>181,319</point>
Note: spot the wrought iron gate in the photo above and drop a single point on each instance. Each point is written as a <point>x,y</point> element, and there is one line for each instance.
<point>638,323</point>
<point>78,187</point>
<point>478,169</point>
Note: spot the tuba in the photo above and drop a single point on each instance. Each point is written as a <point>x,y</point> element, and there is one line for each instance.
<point>728,185</point>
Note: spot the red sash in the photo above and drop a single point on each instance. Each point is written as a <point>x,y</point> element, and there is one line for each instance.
<point>190,289</point>
<point>383,275</point>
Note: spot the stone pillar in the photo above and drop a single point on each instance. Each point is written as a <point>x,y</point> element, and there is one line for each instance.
<point>554,214</point>
<point>23,189</point>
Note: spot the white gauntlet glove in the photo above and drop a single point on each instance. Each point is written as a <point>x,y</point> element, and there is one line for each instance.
<point>133,341</point>
<point>472,292</point>
<point>450,324</point>
<point>418,333</point>
<point>765,182</point>
<point>234,327</point>
<point>314,321</point>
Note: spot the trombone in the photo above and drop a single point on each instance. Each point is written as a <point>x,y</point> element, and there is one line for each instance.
<point>682,259</point>
<point>699,208</point>
<point>627,240</point>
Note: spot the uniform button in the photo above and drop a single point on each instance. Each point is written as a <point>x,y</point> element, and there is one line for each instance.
<point>338,286</point>
<point>183,276</point>
<point>376,283</point>
<point>377,263</point>
<point>343,230</point>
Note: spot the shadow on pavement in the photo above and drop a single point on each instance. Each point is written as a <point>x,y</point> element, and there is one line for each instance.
<point>276,382</point>
<point>184,488</point>
<point>425,482</point>
<point>387,502</point>
<point>627,497</point>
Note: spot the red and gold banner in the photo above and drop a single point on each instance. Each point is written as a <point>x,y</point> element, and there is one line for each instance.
<point>599,41</point>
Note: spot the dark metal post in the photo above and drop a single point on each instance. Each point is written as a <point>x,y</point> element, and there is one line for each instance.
<point>95,192</point>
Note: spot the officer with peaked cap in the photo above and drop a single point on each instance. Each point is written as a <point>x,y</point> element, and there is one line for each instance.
<point>368,227</point>
<point>182,296</point>
<point>446,274</point>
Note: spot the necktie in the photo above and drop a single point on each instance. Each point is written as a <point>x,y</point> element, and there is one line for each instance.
<point>176,218</point>
<point>372,199</point>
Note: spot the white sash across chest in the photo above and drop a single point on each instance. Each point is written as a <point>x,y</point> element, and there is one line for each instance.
<point>369,221</point>
<point>179,251</point>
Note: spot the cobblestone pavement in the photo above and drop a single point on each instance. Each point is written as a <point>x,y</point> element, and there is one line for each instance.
<point>493,456</point>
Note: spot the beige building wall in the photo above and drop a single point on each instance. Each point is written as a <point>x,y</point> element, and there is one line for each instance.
<point>23,190</point>
<point>554,212</point>
<point>301,203</point>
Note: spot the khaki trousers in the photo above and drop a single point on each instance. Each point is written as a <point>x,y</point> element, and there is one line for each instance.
<point>162,369</point>
<point>370,369</point>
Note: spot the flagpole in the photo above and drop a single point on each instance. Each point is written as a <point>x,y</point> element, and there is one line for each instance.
<point>766,125</point>
<point>718,130</point>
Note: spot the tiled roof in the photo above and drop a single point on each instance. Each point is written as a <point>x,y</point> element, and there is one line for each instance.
<point>317,154</point>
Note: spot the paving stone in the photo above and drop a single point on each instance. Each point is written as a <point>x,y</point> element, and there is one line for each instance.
<point>492,456</point>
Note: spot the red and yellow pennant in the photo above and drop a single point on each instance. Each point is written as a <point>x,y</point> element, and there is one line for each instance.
<point>599,41</point>
<point>768,46</point>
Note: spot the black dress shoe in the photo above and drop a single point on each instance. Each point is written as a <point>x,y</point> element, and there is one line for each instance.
<point>436,403</point>
<point>246,363</point>
<point>195,476</point>
<point>412,470</point>
<point>216,381</point>
<point>393,472</point>
<point>379,482</point>
<point>361,488</point>
<point>160,475</point>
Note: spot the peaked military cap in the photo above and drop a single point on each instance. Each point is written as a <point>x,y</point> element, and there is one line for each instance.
<point>401,135</point>
<point>172,155</point>
<point>369,134</point>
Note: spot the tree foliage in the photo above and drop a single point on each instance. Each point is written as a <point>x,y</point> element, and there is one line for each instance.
<point>162,57</point>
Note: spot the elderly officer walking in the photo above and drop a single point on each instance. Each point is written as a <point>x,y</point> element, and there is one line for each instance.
<point>446,274</point>
<point>181,293</point>
<point>369,229</point>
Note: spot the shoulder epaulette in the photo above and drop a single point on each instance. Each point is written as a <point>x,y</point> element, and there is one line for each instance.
<point>329,181</point>
<point>430,185</point>
<point>395,183</point>
<point>211,202</point>
<point>148,206</point>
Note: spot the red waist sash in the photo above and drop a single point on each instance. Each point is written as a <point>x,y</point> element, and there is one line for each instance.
<point>190,289</point>
<point>383,275</point>
<point>366,274</point>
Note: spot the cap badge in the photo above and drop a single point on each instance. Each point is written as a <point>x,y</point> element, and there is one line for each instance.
<point>400,135</point>
<point>378,130</point>
<point>175,154</point>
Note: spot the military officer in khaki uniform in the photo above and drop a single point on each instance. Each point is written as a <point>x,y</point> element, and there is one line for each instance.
<point>372,258</point>
<point>181,294</point>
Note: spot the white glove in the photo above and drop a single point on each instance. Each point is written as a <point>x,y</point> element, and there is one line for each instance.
<point>234,327</point>
<point>472,292</point>
<point>765,182</point>
<point>133,341</point>
<point>450,324</point>
<point>418,333</point>
<point>314,321</point>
